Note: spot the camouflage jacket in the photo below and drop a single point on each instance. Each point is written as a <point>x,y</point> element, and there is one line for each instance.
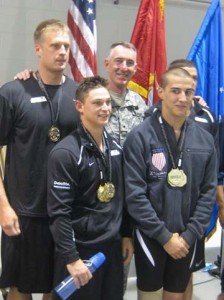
<point>124,118</point>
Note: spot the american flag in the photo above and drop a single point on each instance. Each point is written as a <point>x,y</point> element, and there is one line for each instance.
<point>82,23</point>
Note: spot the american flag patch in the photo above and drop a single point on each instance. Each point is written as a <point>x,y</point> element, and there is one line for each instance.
<point>158,159</point>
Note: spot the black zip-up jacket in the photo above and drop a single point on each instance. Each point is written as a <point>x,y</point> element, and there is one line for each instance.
<point>207,120</point>
<point>157,208</point>
<point>77,216</point>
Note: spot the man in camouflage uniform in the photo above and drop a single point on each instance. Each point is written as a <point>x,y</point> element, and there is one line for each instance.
<point>128,107</point>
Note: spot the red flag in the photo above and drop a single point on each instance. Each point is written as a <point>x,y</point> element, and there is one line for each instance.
<point>82,23</point>
<point>149,38</point>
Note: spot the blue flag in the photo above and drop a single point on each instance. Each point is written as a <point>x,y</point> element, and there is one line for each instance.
<point>207,54</point>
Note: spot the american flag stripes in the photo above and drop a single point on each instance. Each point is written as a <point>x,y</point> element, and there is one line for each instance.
<point>158,160</point>
<point>82,23</point>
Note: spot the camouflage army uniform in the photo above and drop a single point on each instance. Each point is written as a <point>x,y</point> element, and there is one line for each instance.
<point>126,116</point>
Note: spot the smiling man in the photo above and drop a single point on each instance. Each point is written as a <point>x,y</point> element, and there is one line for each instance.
<point>170,183</point>
<point>127,106</point>
<point>86,209</point>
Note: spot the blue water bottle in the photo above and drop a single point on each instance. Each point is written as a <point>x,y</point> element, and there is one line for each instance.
<point>67,286</point>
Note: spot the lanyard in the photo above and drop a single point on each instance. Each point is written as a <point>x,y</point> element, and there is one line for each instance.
<point>54,117</point>
<point>168,145</point>
<point>103,159</point>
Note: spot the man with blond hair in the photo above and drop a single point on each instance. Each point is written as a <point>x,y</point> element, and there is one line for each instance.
<point>34,115</point>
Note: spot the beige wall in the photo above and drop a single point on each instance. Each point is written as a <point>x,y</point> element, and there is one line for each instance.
<point>18,19</point>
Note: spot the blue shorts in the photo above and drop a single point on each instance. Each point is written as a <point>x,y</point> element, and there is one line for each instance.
<point>156,269</point>
<point>28,259</point>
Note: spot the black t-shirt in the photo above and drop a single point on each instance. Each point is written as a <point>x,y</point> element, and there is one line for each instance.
<point>25,119</point>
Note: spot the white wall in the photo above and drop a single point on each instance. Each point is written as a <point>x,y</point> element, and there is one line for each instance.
<point>19,18</point>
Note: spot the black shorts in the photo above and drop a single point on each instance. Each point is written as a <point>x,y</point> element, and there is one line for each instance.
<point>107,280</point>
<point>156,269</point>
<point>27,259</point>
<point>199,255</point>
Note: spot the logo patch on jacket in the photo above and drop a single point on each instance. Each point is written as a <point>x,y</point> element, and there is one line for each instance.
<point>158,158</point>
<point>61,185</point>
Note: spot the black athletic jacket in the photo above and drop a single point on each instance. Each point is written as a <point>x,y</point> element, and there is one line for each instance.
<point>77,216</point>
<point>157,208</point>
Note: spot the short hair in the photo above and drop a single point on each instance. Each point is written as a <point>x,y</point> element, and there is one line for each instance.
<point>123,44</point>
<point>88,84</point>
<point>182,63</point>
<point>52,24</point>
<point>126,45</point>
<point>178,72</point>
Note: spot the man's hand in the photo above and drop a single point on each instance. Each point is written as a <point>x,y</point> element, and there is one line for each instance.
<point>9,221</point>
<point>24,75</point>
<point>176,247</point>
<point>127,250</point>
<point>79,272</point>
<point>8,218</point>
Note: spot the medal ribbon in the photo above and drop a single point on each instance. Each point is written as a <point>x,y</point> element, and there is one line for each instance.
<point>168,145</point>
<point>104,160</point>
<point>54,118</point>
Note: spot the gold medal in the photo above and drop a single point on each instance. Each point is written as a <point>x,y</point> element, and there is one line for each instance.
<point>54,133</point>
<point>106,192</point>
<point>177,178</point>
